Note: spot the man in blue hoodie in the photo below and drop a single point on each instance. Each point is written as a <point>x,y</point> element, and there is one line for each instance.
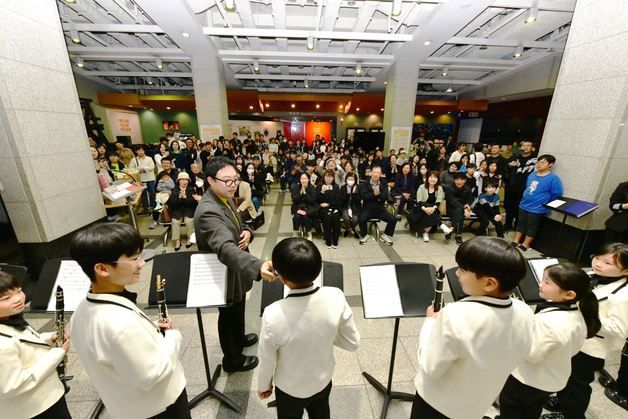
<point>542,187</point>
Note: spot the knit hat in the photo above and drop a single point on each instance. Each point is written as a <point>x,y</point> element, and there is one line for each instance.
<point>183,175</point>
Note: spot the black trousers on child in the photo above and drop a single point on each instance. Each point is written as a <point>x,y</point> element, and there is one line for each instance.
<point>331,226</point>
<point>622,375</point>
<point>575,397</point>
<point>485,215</point>
<point>317,406</point>
<point>520,401</point>
<point>177,410</point>
<point>422,410</point>
<point>59,410</point>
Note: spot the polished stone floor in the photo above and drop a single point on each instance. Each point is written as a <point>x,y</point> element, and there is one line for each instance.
<point>352,396</point>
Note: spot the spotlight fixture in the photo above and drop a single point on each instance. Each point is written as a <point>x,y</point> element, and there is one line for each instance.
<point>533,13</point>
<point>357,109</point>
<point>310,42</point>
<point>449,89</point>
<point>74,35</point>
<point>167,107</point>
<point>385,82</point>
<point>358,69</point>
<point>256,66</point>
<point>396,8</point>
<point>318,106</point>
<point>159,63</point>
<point>444,72</point>
<point>427,43</point>
<point>431,112</point>
<point>251,107</point>
<point>149,80</point>
<point>518,51</point>
<point>292,106</point>
<point>306,84</point>
<point>230,5</point>
<point>70,1</point>
<point>185,34</point>
<point>268,105</point>
<point>381,109</point>
<point>79,62</point>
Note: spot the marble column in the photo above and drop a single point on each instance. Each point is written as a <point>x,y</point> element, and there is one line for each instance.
<point>400,100</point>
<point>48,179</point>
<point>210,93</point>
<point>586,124</point>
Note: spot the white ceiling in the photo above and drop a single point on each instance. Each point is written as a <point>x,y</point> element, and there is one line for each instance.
<point>263,43</point>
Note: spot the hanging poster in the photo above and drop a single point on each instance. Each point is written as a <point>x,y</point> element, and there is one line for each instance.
<point>210,132</point>
<point>125,124</point>
<point>400,137</point>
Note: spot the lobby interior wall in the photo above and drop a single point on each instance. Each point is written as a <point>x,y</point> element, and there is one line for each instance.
<point>152,128</point>
<point>89,89</point>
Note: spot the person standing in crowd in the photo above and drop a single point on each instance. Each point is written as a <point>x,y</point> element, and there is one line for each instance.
<point>447,176</point>
<point>328,196</point>
<point>177,158</point>
<point>220,230</point>
<point>374,194</point>
<point>126,154</point>
<point>304,205</point>
<point>468,349</point>
<point>542,187</point>
<point>350,204</point>
<point>487,210</point>
<point>182,203</point>
<point>456,156</point>
<point>477,157</point>
<point>190,154</point>
<point>519,168</point>
<point>114,162</point>
<point>163,152</point>
<point>146,166</point>
<point>497,157</point>
<point>617,224</point>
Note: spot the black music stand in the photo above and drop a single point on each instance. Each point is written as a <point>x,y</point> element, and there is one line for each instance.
<point>417,282</point>
<point>273,291</point>
<point>571,208</point>
<point>175,268</point>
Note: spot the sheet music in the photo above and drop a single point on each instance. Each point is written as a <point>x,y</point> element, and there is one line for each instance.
<point>75,285</point>
<point>539,265</point>
<point>380,291</point>
<point>317,282</point>
<point>556,203</point>
<point>207,283</point>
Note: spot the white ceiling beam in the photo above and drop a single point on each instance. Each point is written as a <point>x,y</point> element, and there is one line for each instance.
<point>125,51</point>
<point>462,40</point>
<point>310,56</point>
<point>448,81</point>
<point>462,67</point>
<point>302,62</point>
<point>303,34</point>
<point>137,58</point>
<point>420,93</point>
<point>292,77</point>
<point>138,74</point>
<point>303,90</point>
<point>113,28</point>
<point>462,61</point>
<point>155,87</point>
<point>547,5</point>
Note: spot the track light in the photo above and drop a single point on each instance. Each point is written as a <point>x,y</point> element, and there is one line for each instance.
<point>358,69</point>
<point>449,89</point>
<point>256,66</point>
<point>518,51</point>
<point>396,8</point>
<point>149,80</point>
<point>70,1</point>
<point>444,72</point>
<point>310,42</point>
<point>533,13</point>
<point>74,35</point>
<point>79,62</point>
<point>160,64</point>
<point>306,84</point>
<point>230,5</point>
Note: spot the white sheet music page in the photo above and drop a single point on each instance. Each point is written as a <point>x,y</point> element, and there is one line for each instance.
<point>539,265</point>
<point>380,291</point>
<point>318,282</point>
<point>75,285</point>
<point>207,284</point>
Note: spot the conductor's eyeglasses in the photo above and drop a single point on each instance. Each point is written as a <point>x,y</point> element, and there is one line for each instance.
<point>135,260</point>
<point>230,182</point>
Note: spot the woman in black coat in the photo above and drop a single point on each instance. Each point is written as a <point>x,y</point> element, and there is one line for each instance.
<point>330,211</point>
<point>350,203</point>
<point>405,188</point>
<point>182,204</point>
<point>304,205</point>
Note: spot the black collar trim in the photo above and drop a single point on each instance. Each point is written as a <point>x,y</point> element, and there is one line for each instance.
<point>303,294</point>
<point>142,315</point>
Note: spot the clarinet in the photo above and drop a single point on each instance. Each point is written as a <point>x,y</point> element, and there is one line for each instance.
<point>161,300</point>
<point>438,291</point>
<point>60,329</point>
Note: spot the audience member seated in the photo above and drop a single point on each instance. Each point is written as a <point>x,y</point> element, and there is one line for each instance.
<point>487,210</point>
<point>126,154</point>
<point>329,200</point>
<point>339,173</point>
<point>497,157</point>
<point>473,181</point>
<point>461,150</point>
<point>103,174</point>
<point>459,200</point>
<point>462,164</point>
<point>197,179</point>
<point>243,200</point>
<point>114,163</point>
<point>405,188</point>
<point>425,217</point>
<point>392,171</point>
<point>491,174</point>
<point>304,205</point>
<point>447,177</point>
<point>165,185</point>
<point>182,204</point>
<point>256,181</point>
<point>374,194</point>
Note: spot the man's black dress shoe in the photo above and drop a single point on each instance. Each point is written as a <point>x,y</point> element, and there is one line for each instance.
<point>616,397</point>
<point>249,340</point>
<point>249,363</point>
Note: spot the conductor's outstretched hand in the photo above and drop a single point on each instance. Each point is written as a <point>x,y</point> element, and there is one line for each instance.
<point>266,270</point>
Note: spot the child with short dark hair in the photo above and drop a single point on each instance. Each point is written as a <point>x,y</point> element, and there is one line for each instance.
<point>299,332</point>
<point>29,384</point>
<point>468,349</point>
<point>561,325</point>
<point>459,199</point>
<point>133,366</point>
<point>487,209</point>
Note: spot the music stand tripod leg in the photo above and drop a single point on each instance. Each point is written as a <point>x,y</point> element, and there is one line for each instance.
<point>211,379</point>
<point>386,391</point>
<point>97,410</point>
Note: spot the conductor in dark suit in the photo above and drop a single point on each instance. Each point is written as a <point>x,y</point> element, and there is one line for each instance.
<point>220,230</point>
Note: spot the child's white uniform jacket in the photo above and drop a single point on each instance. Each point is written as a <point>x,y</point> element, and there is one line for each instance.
<point>29,383</point>
<point>134,368</point>
<point>559,331</point>
<point>467,353</point>
<point>613,303</point>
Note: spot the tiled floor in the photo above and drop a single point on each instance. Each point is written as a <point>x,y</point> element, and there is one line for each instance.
<point>352,396</point>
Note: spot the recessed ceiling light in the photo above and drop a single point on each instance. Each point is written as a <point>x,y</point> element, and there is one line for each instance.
<point>358,69</point>
<point>168,107</point>
<point>250,107</point>
<point>80,63</point>
<point>74,35</point>
<point>293,105</point>
<point>230,5</point>
<point>427,43</point>
<point>381,109</point>
<point>185,34</point>
<point>318,106</point>
<point>385,82</point>
<point>130,106</point>
<point>532,14</point>
<point>159,63</point>
<point>357,109</point>
<point>268,105</point>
